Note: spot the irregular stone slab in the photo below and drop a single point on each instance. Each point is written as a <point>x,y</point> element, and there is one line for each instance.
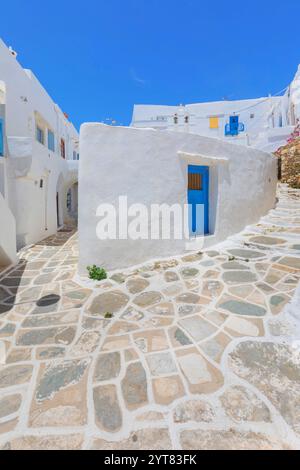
<point>63,335</point>
<point>108,302</point>
<point>15,375</point>
<point>7,330</point>
<point>136,285</point>
<point>273,369</point>
<point>134,386</point>
<point>10,404</point>
<point>108,366</point>
<point>18,355</point>
<point>122,327</point>
<point>212,288</point>
<point>130,355</point>
<point>234,265</point>
<point>63,442</point>
<point>150,416</point>
<point>215,346</point>
<point>241,404</point>
<point>44,354</point>
<point>147,299</point>
<point>198,411</point>
<point>55,377</point>
<point>291,262</point>
<point>161,364</point>
<point>246,254</point>
<point>120,278</point>
<point>171,276</point>
<point>90,323</point>
<point>263,240</point>
<point>188,272</point>
<point>107,410</point>
<point>229,440</point>
<point>178,337</point>
<point>242,308</point>
<point>184,310</point>
<point>277,303</point>
<point>218,318</point>
<point>197,327</point>
<point>167,389</point>
<point>132,314</point>
<point>192,257</point>
<point>44,279</point>
<point>239,277</point>
<point>61,394</point>
<point>116,342</point>
<point>236,326</point>
<point>151,340</point>
<point>75,299</point>
<point>201,376</point>
<point>191,298</point>
<point>36,321</point>
<point>144,439</point>
<point>86,343</point>
<point>8,426</point>
<point>164,308</point>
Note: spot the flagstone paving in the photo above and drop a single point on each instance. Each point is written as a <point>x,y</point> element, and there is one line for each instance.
<point>200,351</point>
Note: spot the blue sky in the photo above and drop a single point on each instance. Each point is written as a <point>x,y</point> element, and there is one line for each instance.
<point>97,58</point>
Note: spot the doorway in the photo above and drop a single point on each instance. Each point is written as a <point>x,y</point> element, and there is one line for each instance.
<point>198,199</point>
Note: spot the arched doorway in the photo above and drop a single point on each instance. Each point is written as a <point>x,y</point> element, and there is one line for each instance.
<point>72,202</point>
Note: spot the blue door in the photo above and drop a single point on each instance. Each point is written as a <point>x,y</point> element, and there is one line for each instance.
<point>198,191</point>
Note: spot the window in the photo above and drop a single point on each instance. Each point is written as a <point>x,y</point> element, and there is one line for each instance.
<point>214,122</point>
<point>77,156</point>
<point>186,119</point>
<point>62,148</point>
<point>74,155</point>
<point>252,116</point>
<point>195,181</point>
<point>1,137</point>
<point>51,144</point>
<point>41,184</point>
<point>175,119</point>
<point>40,135</point>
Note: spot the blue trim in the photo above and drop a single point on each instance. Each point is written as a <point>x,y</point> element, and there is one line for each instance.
<point>1,137</point>
<point>198,201</point>
<point>234,126</point>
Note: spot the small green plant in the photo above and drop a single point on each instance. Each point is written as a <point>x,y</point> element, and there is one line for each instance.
<point>108,315</point>
<point>96,273</point>
<point>231,258</point>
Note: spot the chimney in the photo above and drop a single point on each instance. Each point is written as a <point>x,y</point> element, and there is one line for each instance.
<point>13,53</point>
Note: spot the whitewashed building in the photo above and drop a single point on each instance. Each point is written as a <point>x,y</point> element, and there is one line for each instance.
<point>263,122</point>
<point>233,186</point>
<point>38,158</point>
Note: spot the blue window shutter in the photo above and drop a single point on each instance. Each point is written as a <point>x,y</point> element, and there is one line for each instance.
<point>1,137</point>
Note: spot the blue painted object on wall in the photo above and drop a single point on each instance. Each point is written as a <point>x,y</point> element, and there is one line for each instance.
<point>234,126</point>
<point>1,137</point>
<point>198,199</point>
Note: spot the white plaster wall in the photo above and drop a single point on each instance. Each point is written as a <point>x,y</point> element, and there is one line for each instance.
<point>145,165</point>
<point>7,235</point>
<point>199,113</point>
<point>28,161</point>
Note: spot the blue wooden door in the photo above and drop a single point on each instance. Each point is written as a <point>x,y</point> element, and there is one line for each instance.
<point>198,199</point>
<point>234,125</point>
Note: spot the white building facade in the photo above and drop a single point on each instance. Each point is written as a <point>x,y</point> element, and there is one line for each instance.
<point>39,156</point>
<point>263,122</point>
<point>234,185</point>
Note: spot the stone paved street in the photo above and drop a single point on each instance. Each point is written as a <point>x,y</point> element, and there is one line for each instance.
<point>196,352</point>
